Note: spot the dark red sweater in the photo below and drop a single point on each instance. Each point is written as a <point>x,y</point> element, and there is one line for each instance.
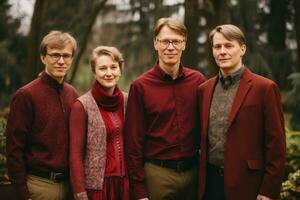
<point>37,129</point>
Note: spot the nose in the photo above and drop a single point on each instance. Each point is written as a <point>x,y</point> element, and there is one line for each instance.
<point>61,60</point>
<point>170,46</point>
<point>223,50</point>
<point>108,72</point>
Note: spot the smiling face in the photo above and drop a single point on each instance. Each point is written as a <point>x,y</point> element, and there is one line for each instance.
<point>227,53</point>
<point>169,55</point>
<point>107,72</point>
<point>58,68</point>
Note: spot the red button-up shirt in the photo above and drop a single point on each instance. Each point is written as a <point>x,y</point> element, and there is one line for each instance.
<point>161,121</point>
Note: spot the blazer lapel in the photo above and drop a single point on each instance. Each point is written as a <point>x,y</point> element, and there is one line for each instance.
<point>244,87</point>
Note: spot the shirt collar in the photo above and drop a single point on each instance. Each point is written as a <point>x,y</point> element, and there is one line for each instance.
<point>231,79</point>
<point>51,81</point>
<point>166,77</point>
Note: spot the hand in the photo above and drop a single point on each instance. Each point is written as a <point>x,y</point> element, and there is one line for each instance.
<point>262,197</point>
<point>144,199</point>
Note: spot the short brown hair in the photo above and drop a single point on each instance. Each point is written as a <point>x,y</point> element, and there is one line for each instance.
<point>113,52</point>
<point>230,32</point>
<point>171,23</point>
<point>57,39</point>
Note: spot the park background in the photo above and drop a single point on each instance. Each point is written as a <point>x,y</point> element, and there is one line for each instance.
<point>271,27</point>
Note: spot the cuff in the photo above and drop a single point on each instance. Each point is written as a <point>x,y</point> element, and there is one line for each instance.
<point>140,191</point>
<point>80,196</point>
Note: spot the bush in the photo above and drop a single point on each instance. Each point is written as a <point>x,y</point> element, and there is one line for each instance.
<point>291,186</point>
<point>3,170</point>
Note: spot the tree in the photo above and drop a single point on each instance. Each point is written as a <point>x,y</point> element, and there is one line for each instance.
<point>32,65</point>
<point>297,28</point>
<point>191,21</point>
<point>248,21</point>
<point>216,13</point>
<point>11,53</point>
<point>98,6</point>
<point>294,94</point>
<point>278,55</point>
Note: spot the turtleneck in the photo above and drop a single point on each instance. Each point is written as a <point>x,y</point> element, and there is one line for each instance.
<point>108,102</point>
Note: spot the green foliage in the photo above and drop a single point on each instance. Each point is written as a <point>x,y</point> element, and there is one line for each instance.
<point>293,101</point>
<point>3,170</point>
<point>291,186</point>
<point>293,148</point>
<point>11,54</point>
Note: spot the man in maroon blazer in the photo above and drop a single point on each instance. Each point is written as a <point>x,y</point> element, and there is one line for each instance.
<point>242,153</point>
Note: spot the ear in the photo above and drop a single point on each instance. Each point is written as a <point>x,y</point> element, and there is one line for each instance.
<point>155,44</point>
<point>184,45</point>
<point>43,57</point>
<point>243,49</point>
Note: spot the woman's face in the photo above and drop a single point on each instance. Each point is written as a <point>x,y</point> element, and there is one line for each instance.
<point>107,72</point>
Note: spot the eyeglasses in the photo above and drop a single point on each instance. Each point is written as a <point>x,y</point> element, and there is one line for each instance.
<point>56,56</point>
<point>177,44</point>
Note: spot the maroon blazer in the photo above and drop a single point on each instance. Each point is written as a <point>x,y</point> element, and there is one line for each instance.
<point>255,147</point>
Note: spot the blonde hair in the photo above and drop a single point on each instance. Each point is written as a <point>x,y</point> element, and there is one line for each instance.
<point>57,39</point>
<point>113,52</point>
<point>171,23</point>
<point>230,32</point>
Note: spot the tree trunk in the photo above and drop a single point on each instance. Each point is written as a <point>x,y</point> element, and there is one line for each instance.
<point>32,69</point>
<point>297,27</point>
<point>191,20</point>
<point>277,30</point>
<point>83,41</point>
<point>278,56</point>
<point>217,16</point>
<point>294,121</point>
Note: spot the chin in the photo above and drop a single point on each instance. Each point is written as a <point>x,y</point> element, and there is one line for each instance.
<point>60,74</point>
<point>170,62</point>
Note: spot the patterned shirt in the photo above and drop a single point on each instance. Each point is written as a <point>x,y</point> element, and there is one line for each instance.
<point>223,97</point>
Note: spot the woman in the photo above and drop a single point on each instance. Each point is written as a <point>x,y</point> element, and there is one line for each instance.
<point>96,133</point>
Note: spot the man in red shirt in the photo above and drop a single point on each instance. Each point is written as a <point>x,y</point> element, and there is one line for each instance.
<point>37,126</point>
<point>161,132</point>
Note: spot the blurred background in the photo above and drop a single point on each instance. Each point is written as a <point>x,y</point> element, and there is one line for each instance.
<point>271,27</point>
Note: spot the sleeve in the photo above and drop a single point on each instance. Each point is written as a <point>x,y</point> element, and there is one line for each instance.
<point>134,139</point>
<point>18,127</point>
<point>275,143</point>
<point>78,128</point>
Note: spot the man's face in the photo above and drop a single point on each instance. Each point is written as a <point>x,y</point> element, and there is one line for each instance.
<point>169,45</point>
<point>58,61</point>
<point>227,53</point>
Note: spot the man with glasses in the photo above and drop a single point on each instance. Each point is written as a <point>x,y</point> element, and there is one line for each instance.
<point>161,132</point>
<point>37,126</point>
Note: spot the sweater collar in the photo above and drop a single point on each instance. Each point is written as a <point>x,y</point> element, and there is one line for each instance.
<point>51,81</point>
<point>105,100</point>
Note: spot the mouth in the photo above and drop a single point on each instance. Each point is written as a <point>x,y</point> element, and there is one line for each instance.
<point>60,68</point>
<point>171,55</point>
<point>223,60</point>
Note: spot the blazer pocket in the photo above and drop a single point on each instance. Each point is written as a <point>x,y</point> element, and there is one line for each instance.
<point>255,164</point>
